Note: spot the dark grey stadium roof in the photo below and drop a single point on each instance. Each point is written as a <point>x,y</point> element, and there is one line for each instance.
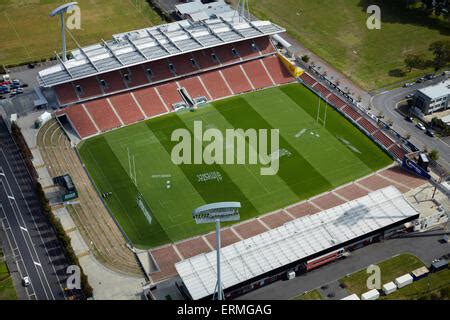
<point>150,44</point>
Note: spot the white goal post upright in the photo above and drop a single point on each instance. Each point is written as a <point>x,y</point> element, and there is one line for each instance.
<point>323,120</point>
<point>132,166</point>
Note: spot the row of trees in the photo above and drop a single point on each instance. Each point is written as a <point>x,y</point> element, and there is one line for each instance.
<point>441,57</point>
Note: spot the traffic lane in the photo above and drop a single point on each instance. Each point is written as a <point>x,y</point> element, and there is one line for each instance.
<point>48,253</point>
<point>23,244</point>
<point>387,102</point>
<point>49,248</point>
<point>18,264</point>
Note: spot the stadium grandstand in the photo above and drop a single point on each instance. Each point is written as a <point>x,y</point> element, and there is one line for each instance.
<point>297,246</point>
<point>145,73</point>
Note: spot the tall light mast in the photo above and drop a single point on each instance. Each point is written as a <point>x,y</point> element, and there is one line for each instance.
<point>61,10</point>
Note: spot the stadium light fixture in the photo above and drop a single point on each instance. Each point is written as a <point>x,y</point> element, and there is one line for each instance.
<point>61,10</point>
<point>216,213</point>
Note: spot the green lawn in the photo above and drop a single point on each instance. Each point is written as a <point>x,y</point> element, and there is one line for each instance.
<point>7,291</point>
<point>311,295</point>
<point>336,31</point>
<point>28,33</point>
<point>390,269</point>
<point>316,159</point>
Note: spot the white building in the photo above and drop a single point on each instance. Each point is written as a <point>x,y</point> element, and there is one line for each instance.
<point>433,98</point>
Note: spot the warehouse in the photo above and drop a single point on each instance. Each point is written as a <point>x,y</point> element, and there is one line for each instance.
<point>297,245</point>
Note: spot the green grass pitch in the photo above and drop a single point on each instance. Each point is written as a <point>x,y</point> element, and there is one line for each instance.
<point>318,160</point>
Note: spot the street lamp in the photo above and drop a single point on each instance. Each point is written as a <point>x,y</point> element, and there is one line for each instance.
<point>61,10</point>
<point>216,213</point>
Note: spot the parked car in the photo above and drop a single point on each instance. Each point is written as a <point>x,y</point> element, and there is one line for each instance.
<point>430,133</point>
<point>421,126</point>
<point>406,85</point>
<point>409,96</point>
<point>26,281</point>
<point>420,80</point>
<point>409,119</point>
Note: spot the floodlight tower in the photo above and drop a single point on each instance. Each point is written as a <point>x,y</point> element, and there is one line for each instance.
<point>61,10</point>
<point>216,213</point>
<point>244,10</point>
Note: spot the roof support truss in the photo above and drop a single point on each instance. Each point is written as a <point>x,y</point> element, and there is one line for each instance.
<point>112,52</point>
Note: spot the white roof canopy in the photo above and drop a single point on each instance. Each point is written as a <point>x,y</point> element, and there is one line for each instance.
<point>156,43</point>
<point>294,240</point>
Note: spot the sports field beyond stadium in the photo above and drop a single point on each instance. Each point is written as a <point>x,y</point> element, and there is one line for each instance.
<point>337,32</point>
<point>29,33</point>
<point>315,159</point>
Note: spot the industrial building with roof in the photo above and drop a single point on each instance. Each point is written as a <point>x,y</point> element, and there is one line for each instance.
<point>300,245</point>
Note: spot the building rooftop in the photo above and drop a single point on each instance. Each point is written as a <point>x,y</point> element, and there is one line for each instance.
<point>295,240</point>
<point>206,9</point>
<point>155,43</point>
<point>437,90</point>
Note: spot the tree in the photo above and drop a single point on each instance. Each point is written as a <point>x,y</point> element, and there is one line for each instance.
<point>441,52</point>
<point>434,155</point>
<point>305,58</point>
<point>415,61</point>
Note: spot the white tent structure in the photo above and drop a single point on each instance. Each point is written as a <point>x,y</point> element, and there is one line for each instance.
<point>296,240</point>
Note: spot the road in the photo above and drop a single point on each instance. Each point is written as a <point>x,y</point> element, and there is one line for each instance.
<point>35,249</point>
<point>386,102</point>
<point>426,246</point>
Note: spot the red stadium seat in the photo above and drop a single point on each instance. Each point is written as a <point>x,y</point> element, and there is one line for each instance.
<point>159,70</point>
<point>113,80</point>
<point>264,45</point>
<point>183,64</point>
<point>351,113</point>
<point>363,122</point>
<point>257,74</point>
<point>246,50</point>
<point>80,121</point>
<point>169,93</point>
<point>308,79</point>
<point>66,93</point>
<point>103,115</point>
<point>277,70</point>
<point>149,101</point>
<point>225,54</point>
<point>215,84</point>
<point>127,108</point>
<point>236,79</point>
<point>137,76</point>
<point>204,59</point>
<point>89,88</point>
<point>194,87</point>
<point>383,139</point>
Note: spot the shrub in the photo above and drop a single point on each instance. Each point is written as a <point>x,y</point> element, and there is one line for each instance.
<point>305,58</point>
